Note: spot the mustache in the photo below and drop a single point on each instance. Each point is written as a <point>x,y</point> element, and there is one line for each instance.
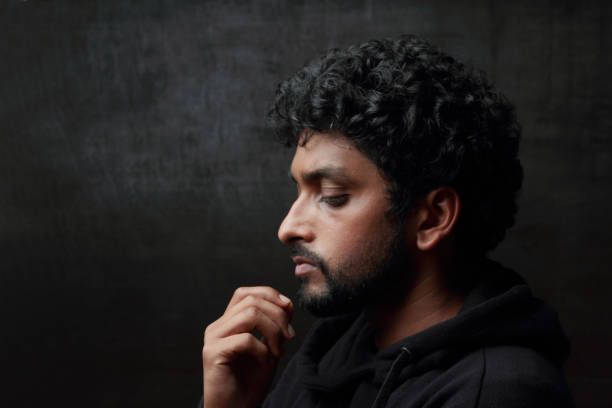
<point>299,250</point>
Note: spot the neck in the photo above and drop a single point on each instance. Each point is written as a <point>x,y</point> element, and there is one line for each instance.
<point>429,301</point>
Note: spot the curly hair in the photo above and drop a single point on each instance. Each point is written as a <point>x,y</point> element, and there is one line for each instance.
<point>423,118</point>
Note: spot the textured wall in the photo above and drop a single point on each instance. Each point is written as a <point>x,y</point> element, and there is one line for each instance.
<point>138,186</point>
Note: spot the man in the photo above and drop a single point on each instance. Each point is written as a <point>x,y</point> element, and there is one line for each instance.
<point>406,171</point>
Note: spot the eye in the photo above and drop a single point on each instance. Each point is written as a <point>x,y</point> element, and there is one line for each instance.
<point>335,201</point>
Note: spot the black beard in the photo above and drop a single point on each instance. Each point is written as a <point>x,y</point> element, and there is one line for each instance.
<point>380,279</point>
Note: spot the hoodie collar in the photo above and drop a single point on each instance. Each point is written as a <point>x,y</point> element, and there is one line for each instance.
<point>500,309</point>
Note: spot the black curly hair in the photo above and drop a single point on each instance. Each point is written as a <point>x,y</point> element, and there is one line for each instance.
<point>423,118</point>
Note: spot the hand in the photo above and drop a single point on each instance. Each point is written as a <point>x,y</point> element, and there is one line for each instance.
<point>238,366</point>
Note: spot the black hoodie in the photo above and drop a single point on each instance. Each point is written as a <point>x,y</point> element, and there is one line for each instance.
<point>504,349</point>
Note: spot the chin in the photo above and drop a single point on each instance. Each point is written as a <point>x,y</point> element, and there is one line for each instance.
<point>316,299</point>
<point>314,289</point>
<point>320,301</point>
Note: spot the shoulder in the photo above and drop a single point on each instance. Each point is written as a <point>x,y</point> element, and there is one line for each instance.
<point>499,376</point>
<point>516,376</point>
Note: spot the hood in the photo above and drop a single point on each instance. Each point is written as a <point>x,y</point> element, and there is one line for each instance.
<point>499,310</point>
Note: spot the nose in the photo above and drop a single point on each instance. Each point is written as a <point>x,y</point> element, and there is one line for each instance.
<point>297,225</point>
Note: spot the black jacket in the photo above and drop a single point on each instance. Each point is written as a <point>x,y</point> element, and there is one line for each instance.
<point>504,349</point>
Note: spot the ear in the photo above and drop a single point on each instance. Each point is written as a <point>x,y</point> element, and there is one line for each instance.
<point>436,216</point>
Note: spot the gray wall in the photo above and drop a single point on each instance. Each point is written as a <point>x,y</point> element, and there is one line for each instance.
<point>138,186</point>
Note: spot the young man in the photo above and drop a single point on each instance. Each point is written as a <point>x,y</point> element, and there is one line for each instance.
<point>406,171</point>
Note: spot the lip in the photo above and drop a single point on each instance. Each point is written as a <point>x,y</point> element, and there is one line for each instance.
<point>303,265</point>
<point>302,260</point>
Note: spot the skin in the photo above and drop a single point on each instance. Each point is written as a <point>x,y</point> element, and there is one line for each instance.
<point>238,367</point>
<point>339,210</point>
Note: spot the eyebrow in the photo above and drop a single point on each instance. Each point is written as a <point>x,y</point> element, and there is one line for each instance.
<point>329,172</point>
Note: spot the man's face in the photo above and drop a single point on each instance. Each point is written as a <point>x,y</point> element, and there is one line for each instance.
<point>346,251</point>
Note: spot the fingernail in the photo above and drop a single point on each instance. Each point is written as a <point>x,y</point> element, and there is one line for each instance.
<point>284,299</point>
<point>291,331</point>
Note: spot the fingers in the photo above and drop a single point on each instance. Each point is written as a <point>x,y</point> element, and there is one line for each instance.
<point>264,292</point>
<point>261,309</point>
<point>252,306</point>
<point>253,318</point>
<point>238,367</point>
<point>244,343</point>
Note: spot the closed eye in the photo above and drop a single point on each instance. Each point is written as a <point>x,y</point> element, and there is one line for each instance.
<point>335,201</point>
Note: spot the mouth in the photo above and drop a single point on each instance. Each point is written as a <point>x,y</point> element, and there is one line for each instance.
<point>303,265</point>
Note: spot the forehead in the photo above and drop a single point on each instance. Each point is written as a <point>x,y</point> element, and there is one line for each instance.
<point>324,150</point>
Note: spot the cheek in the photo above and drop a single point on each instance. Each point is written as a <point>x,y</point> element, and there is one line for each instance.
<point>356,234</point>
<point>367,216</point>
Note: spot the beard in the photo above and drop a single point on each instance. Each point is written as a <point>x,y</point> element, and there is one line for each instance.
<point>377,276</point>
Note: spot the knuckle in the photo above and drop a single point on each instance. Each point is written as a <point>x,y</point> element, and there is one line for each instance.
<point>207,332</point>
<point>249,339</point>
<point>206,353</point>
<point>245,341</point>
<point>279,316</point>
<point>280,313</point>
<point>251,312</point>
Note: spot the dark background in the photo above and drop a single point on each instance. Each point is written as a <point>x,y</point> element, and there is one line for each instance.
<point>139,187</point>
